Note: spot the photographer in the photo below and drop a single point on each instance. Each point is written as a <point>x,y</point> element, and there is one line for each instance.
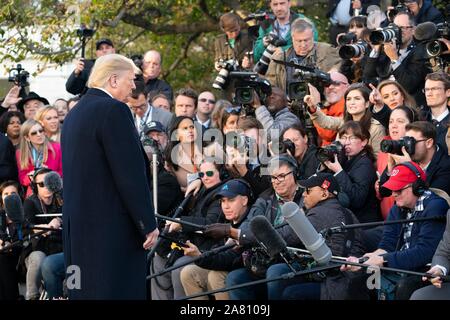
<point>280,25</point>
<point>295,140</point>
<point>304,49</point>
<point>275,117</point>
<point>76,83</point>
<point>356,172</point>
<point>408,63</point>
<point>427,154</point>
<point>423,11</point>
<point>234,44</point>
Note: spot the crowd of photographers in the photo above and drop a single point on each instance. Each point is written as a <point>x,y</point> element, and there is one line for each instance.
<point>353,131</point>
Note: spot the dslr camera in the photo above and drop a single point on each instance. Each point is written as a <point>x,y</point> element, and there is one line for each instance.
<point>226,66</point>
<point>19,76</point>
<point>138,60</point>
<point>347,38</point>
<point>245,83</point>
<point>400,7</point>
<point>285,146</point>
<point>436,47</point>
<point>384,35</point>
<point>327,153</point>
<point>274,42</point>
<point>395,146</point>
<point>354,50</point>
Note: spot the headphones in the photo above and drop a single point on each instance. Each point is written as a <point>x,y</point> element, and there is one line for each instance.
<point>250,190</point>
<point>291,160</point>
<point>419,186</point>
<point>37,172</point>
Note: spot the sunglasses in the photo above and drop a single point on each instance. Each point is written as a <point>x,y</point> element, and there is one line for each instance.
<point>33,133</point>
<point>236,109</point>
<point>209,100</point>
<point>207,173</point>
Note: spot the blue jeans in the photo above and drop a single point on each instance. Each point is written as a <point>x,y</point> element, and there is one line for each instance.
<point>53,274</point>
<point>302,291</point>
<point>275,289</point>
<point>240,276</point>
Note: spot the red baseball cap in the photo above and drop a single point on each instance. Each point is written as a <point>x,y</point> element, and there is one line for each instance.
<point>402,175</point>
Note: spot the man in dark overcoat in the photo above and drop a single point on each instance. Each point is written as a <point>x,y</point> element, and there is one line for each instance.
<point>108,213</point>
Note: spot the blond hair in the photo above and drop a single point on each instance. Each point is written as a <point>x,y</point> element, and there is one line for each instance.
<point>109,65</point>
<point>25,146</point>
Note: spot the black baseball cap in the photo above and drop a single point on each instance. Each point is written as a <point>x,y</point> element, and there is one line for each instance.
<point>154,126</point>
<point>321,179</point>
<point>234,188</point>
<point>103,41</point>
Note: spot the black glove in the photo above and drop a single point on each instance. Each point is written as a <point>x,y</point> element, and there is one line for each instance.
<point>218,230</point>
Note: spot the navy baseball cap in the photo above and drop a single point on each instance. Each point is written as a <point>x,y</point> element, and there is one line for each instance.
<point>234,188</point>
<point>154,126</point>
<point>103,41</point>
<point>321,179</point>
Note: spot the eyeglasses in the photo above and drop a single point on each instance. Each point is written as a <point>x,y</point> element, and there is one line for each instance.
<point>281,177</point>
<point>138,107</point>
<point>335,83</point>
<point>40,184</point>
<point>207,173</point>
<point>351,139</point>
<point>210,101</point>
<point>406,28</point>
<point>434,89</point>
<point>33,133</point>
<point>236,109</point>
<point>404,188</point>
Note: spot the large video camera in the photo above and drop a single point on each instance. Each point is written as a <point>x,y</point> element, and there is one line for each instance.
<point>274,42</point>
<point>246,83</point>
<point>395,146</point>
<point>436,47</point>
<point>19,76</point>
<point>240,142</point>
<point>387,34</point>
<point>226,66</point>
<point>327,153</point>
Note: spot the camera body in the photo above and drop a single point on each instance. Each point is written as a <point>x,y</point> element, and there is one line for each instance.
<point>274,42</point>
<point>222,79</point>
<point>436,47</point>
<point>386,34</point>
<point>286,145</point>
<point>355,50</point>
<point>327,153</point>
<point>19,76</point>
<point>299,88</point>
<point>245,83</point>
<point>395,146</point>
<point>138,60</point>
<point>347,38</point>
<point>400,7</point>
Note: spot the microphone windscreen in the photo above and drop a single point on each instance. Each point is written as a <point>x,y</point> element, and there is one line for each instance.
<point>306,232</point>
<point>53,182</point>
<point>14,208</point>
<point>425,31</point>
<point>267,236</point>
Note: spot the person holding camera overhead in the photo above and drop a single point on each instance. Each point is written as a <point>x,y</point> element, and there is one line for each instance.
<point>356,108</point>
<point>76,83</point>
<point>354,170</point>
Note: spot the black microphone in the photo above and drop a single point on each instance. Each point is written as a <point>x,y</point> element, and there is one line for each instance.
<point>53,182</point>
<point>266,236</point>
<point>313,241</point>
<point>425,31</point>
<point>14,210</point>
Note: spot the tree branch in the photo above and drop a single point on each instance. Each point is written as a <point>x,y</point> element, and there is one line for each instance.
<point>131,40</point>
<point>204,8</point>
<point>32,48</point>
<point>175,64</point>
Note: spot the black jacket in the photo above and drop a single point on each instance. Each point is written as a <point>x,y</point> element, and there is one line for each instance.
<point>357,181</point>
<point>309,164</point>
<point>77,84</point>
<point>8,164</point>
<point>156,86</point>
<point>438,171</point>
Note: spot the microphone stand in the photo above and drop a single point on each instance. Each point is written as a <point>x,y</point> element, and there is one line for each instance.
<point>24,240</point>
<point>190,224</point>
<point>285,276</point>
<point>203,255</point>
<point>342,260</point>
<point>344,228</point>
